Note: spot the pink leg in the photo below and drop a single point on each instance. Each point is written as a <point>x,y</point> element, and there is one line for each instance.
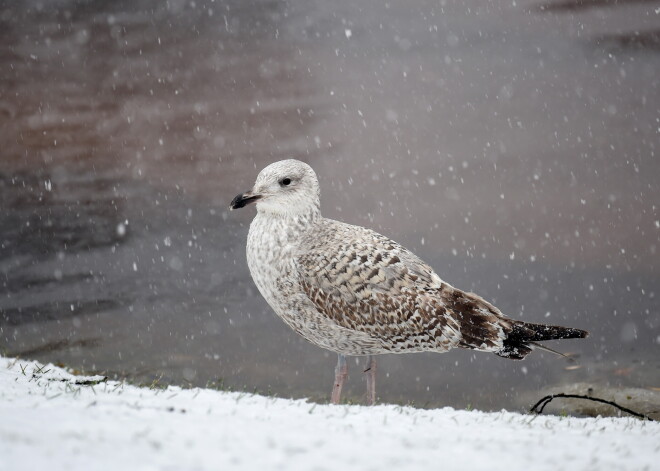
<point>370,371</point>
<point>341,373</point>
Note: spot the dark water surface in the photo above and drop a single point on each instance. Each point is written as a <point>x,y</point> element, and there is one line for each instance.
<point>512,145</point>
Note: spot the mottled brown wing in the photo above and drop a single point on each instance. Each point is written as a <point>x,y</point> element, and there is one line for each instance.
<point>364,281</point>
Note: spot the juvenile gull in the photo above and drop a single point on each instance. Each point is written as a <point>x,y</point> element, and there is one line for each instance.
<point>353,291</point>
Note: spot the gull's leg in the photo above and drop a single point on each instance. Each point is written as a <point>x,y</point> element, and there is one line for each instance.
<point>341,372</point>
<point>370,371</point>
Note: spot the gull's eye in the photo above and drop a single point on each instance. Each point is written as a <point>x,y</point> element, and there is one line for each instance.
<point>285,181</point>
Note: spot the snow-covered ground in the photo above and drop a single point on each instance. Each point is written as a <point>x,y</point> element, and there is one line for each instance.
<point>49,420</point>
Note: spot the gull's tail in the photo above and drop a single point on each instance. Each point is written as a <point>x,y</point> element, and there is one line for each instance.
<point>523,338</point>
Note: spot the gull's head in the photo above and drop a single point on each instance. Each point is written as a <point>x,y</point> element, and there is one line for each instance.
<point>287,187</point>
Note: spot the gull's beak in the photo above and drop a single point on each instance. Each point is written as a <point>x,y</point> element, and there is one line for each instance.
<point>243,200</point>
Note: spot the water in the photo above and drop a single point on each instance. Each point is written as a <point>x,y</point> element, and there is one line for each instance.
<point>513,147</point>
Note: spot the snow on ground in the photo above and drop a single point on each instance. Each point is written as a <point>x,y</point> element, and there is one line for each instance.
<point>49,421</point>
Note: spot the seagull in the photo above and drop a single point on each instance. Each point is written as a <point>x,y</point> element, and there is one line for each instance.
<point>355,292</point>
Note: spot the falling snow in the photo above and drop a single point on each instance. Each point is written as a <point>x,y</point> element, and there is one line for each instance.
<point>521,138</point>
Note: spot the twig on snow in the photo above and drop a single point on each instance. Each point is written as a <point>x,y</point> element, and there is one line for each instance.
<point>540,405</point>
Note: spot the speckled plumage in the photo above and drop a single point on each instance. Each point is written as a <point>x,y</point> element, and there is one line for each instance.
<point>353,291</point>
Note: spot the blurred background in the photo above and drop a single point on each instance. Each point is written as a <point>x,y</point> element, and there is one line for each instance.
<point>514,145</point>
